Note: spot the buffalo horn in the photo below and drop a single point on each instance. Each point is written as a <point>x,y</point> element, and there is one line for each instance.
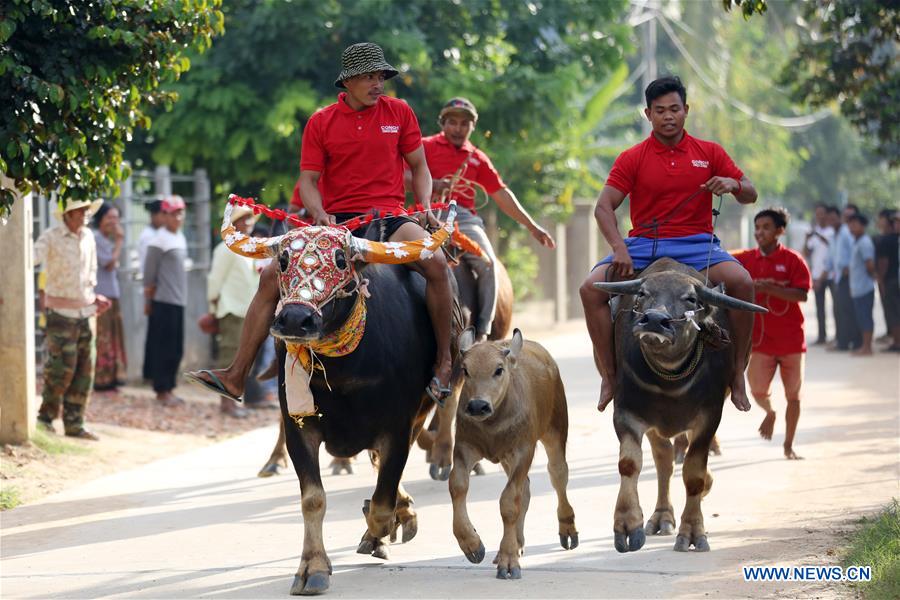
<point>716,298</point>
<point>620,287</point>
<point>246,245</point>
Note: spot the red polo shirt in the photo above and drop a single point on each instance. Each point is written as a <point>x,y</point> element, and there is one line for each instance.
<point>658,178</point>
<point>444,159</point>
<point>360,153</point>
<point>780,331</point>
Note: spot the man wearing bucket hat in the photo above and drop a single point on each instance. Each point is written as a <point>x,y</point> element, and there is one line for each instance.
<point>68,254</point>
<point>354,150</point>
<point>446,153</point>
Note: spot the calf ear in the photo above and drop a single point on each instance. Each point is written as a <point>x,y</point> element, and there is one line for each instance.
<point>466,340</point>
<point>515,346</point>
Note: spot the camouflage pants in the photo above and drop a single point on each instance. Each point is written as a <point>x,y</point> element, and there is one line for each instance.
<point>69,370</point>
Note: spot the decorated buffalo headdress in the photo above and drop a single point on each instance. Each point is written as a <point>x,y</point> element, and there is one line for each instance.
<point>317,263</point>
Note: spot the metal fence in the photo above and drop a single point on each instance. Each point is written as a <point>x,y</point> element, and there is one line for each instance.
<point>139,189</point>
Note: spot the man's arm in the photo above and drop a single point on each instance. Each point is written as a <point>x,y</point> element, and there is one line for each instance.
<point>312,200</point>
<point>743,191</point>
<point>151,269</point>
<point>767,286</point>
<point>510,205</point>
<point>605,213</point>
<point>420,176</point>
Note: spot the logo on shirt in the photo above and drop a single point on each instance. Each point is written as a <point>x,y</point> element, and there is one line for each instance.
<point>474,161</point>
<point>703,164</point>
<point>390,129</point>
<point>781,268</point>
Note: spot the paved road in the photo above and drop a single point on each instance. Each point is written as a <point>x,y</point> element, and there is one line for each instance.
<point>202,525</point>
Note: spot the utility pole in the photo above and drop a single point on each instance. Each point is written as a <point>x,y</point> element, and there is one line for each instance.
<point>648,48</point>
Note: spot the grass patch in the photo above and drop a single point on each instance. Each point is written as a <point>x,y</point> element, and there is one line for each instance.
<point>9,498</point>
<point>54,444</point>
<point>877,544</point>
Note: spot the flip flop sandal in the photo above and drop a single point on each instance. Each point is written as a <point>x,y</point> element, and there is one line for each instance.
<point>215,385</point>
<point>443,392</point>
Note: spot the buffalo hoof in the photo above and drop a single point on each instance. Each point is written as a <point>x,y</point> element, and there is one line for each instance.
<point>478,469</point>
<point>513,573</point>
<point>633,542</point>
<point>679,457</point>
<point>434,471</point>
<point>382,551</point>
<point>569,542</point>
<point>314,583</point>
<point>410,529</point>
<point>269,469</point>
<point>701,544</point>
<point>477,556</point>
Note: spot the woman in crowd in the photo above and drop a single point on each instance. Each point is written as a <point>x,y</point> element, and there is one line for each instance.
<point>111,362</point>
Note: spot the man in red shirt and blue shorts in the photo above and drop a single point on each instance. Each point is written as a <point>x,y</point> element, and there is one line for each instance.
<point>670,178</point>
<point>445,153</point>
<point>352,163</point>
<point>782,281</point>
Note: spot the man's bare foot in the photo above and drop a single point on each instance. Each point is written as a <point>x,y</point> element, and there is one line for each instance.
<point>739,393</point>
<point>607,392</point>
<point>767,427</point>
<point>862,352</point>
<point>168,399</point>
<point>790,454</point>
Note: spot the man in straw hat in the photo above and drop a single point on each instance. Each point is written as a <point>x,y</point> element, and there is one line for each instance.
<point>354,151</point>
<point>69,256</point>
<point>447,152</point>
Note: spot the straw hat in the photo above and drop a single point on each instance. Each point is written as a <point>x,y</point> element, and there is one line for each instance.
<point>92,207</point>
<point>364,57</point>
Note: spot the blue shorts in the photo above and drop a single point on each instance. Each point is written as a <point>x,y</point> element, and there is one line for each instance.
<point>691,250</point>
<point>862,306</point>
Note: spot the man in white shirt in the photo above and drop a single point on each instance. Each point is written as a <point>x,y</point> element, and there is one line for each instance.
<point>149,232</point>
<point>230,287</point>
<point>68,253</point>
<point>815,251</point>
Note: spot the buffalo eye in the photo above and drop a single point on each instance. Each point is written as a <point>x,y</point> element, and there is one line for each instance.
<point>465,372</point>
<point>283,260</point>
<point>691,299</point>
<point>340,259</point>
<point>498,372</point>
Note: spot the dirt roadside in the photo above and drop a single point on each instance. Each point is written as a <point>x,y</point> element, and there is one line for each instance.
<point>133,430</point>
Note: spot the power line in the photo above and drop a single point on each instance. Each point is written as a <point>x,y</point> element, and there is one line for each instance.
<point>785,122</point>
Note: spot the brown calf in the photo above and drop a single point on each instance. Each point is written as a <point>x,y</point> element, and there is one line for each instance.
<point>512,396</point>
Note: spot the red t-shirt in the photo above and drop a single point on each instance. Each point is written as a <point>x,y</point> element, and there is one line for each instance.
<point>360,153</point>
<point>444,159</point>
<point>658,178</point>
<point>780,331</point>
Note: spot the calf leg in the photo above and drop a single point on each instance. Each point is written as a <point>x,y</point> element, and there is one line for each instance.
<point>697,483</point>
<point>381,515</point>
<point>469,542</point>
<point>558,468</point>
<point>314,573</point>
<point>662,521</point>
<point>520,524</point>
<point>278,458</point>
<point>512,509</point>
<point>628,520</point>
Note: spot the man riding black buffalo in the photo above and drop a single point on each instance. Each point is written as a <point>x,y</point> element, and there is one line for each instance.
<point>670,178</point>
<point>354,150</point>
<point>446,153</point>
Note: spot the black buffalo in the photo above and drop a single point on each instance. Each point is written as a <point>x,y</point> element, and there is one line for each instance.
<point>370,399</point>
<point>674,365</point>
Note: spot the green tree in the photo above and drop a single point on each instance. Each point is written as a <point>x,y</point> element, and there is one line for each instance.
<point>848,54</point>
<point>76,78</point>
<point>244,103</point>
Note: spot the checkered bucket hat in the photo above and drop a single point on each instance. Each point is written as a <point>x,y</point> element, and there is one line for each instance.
<point>364,57</point>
